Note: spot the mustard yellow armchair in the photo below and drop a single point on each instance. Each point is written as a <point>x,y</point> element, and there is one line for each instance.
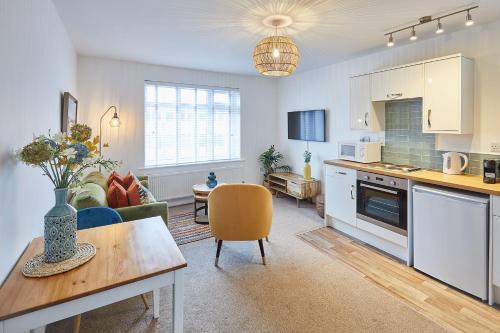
<point>240,212</point>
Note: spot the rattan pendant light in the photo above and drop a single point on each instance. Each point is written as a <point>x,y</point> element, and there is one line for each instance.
<point>276,55</point>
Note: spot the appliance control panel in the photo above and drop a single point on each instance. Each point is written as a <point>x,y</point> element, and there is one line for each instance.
<point>388,181</point>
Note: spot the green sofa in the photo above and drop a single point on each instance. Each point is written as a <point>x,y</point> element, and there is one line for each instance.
<point>93,191</point>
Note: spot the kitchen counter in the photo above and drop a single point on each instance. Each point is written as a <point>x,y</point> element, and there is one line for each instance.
<point>463,182</point>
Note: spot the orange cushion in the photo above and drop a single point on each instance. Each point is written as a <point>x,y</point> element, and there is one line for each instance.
<point>138,195</point>
<point>117,195</point>
<point>115,176</point>
<point>128,179</point>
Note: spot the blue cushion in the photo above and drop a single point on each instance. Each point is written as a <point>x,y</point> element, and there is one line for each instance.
<point>96,217</point>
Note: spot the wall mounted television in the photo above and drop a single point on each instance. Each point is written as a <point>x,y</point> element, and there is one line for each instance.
<point>307,125</point>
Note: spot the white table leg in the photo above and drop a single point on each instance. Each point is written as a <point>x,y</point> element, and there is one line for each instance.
<point>178,300</point>
<point>156,303</point>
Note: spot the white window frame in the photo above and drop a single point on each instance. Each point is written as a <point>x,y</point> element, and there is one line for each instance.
<point>191,86</point>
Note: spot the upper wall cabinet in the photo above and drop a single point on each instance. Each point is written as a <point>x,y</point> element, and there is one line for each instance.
<point>400,83</point>
<point>364,115</point>
<point>448,103</point>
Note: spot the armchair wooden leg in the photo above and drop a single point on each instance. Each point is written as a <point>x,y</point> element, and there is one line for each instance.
<point>76,323</point>
<point>145,300</point>
<point>261,246</point>
<point>219,245</point>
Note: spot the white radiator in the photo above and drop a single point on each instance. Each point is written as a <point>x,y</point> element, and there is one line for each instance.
<point>178,184</point>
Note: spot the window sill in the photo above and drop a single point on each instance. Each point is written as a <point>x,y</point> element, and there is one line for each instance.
<point>191,165</point>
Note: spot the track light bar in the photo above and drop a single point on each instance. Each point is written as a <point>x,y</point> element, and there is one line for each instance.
<point>427,19</point>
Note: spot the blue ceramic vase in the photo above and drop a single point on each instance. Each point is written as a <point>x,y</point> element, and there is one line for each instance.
<point>60,229</point>
<point>211,182</point>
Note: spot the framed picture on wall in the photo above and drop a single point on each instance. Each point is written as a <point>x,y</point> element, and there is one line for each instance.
<point>69,111</point>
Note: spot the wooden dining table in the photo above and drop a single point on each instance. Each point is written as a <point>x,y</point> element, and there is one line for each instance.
<point>132,258</point>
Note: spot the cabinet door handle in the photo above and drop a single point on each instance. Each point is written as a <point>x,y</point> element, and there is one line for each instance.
<point>429,118</point>
<point>352,194</point>
<point>366,119</point>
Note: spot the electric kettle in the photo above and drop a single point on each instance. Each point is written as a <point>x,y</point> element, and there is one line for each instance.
<point>452,163</point>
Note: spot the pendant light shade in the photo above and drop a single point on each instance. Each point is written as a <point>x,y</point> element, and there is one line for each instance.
<point>276,56</point>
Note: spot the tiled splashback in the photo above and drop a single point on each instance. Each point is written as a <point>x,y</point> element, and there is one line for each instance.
<point>406,144</point>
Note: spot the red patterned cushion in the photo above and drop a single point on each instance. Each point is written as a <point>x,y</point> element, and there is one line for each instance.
<point>139,195</point>
<point>115,176</point>
<point>117,195</point>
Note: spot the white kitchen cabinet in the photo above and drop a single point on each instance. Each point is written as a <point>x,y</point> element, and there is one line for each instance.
<point>398,83</point>
<point>364,114</point>
<point>448,103</point>
<point>340,194</point>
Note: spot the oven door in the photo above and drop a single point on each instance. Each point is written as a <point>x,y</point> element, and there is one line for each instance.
<point>383,206</point>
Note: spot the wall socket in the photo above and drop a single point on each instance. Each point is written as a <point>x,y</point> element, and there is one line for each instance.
<point>495,147</point>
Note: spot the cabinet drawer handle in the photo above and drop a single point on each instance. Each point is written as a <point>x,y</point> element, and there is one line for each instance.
<point>429,118</point>
<point>394,96</point>
<point>352,195</point>
<point>341,173</point>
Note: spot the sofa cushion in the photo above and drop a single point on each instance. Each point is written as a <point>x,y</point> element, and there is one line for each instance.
<point>97,178</point>
<point>89,195</point>
<point>115,176</point>
<point>117,195</point>
<point>138,194</point>
<point>129,179</point>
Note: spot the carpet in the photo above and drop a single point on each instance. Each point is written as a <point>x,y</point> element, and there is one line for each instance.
<point>185,230</point>
<point>299,290</point>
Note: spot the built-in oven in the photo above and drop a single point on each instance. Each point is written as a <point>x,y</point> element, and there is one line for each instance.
<point>382,200</point>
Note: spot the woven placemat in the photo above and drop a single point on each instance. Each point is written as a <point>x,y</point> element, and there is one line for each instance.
<point>36,267</point>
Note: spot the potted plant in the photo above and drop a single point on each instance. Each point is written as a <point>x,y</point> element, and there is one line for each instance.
<point>307,166</point>
<point>270,163</point>
<point>63,158</point>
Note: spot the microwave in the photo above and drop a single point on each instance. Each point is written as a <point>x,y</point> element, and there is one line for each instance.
<point>362,152</point>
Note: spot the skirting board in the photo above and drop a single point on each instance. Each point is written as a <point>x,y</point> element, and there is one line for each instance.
<point>377,242</point>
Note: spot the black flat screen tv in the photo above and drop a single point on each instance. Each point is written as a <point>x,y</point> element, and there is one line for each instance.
<point>306,125</point>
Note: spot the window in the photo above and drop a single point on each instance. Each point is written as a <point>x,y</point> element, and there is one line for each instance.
<point>190,124</point>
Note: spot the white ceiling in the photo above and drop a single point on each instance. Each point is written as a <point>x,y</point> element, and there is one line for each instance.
<point>219,35</point>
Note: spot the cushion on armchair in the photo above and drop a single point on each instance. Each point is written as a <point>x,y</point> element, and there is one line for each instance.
<point>89,195</point>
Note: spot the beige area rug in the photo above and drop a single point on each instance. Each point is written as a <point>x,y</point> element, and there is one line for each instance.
<point>300,290</point>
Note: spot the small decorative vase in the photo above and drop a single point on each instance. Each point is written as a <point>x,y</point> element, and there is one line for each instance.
<point>211,182</point>
<point>60,229</point>
<point>307,171</point>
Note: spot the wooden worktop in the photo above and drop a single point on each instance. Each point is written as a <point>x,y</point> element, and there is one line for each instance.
<point>126,252</point>
<point>462,182</point>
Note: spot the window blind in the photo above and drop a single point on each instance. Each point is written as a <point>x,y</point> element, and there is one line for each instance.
<point>190,124</point>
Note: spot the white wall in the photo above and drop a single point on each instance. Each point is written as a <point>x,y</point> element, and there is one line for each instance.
<point>328,88</point>
<point>104,82</point>
<point>37,64</point>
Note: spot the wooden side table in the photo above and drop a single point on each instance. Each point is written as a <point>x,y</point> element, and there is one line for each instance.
<point>201,192</point>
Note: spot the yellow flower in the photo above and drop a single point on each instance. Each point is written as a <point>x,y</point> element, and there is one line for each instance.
<point>63,161</point>
<point>96,139</point>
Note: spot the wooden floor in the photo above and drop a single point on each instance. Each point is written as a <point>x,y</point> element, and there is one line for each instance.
<point>445,305</point>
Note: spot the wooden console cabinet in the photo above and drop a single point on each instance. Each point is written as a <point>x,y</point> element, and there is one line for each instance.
<point>294,185</point>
